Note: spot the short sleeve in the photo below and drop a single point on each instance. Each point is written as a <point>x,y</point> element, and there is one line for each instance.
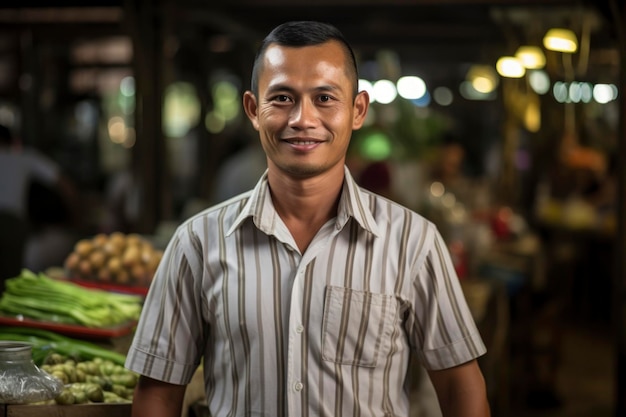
<point>440,326</point>
<point>168,339</point>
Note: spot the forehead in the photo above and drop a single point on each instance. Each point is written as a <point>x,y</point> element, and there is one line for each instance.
<point>315,61</point>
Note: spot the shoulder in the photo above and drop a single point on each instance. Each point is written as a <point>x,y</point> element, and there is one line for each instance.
<point>40,164</point>
<point>221,215</point>
<point>386,211</point>
<point>194,236</point>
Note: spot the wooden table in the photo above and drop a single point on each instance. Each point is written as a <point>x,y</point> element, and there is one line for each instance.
<point>77,410</point>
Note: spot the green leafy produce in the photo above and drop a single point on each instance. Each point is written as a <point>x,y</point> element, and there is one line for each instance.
<point>38,296</point>
<point>49,347</point>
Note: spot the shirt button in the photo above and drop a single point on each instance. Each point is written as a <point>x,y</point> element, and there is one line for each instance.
<point>299,328</point>
<point>298,386</point>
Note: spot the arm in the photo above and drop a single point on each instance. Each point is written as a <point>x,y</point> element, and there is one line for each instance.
<point>155,398</point>
<point>461,390</point>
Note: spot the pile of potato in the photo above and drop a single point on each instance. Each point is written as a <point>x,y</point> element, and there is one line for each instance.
<point>115,258</point>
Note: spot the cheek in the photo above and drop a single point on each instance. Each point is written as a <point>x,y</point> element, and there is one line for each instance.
<point>264,112</point>
<point>339,121</point>
<point>270,118</point>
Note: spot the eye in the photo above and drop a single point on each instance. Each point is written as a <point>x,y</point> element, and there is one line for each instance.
<point>282,98</point>
<point>325,98</point>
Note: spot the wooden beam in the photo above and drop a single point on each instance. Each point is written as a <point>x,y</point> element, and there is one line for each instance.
<point>619,281</point>
<point>150,169</point>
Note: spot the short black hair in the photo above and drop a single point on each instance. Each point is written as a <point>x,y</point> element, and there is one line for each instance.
<point>303,33</point>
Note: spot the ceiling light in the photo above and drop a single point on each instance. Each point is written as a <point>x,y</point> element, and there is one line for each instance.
<point>411,87</point>
<point>560,40</point>
<point>532,57</point>
<point>443,96</point>
<point>365,85</point>
<point>483,78</point>
<point>509,66</point>
<point>385,91</point>
<point>539,81</point>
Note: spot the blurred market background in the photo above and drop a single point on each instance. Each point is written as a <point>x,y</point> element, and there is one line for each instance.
<point>501,121</point>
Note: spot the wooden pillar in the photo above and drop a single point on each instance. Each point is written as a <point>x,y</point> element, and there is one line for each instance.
<point>144,22</point>
<point>619,293</point>
<point>29,85</point>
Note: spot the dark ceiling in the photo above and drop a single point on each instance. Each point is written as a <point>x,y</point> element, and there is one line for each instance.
<point>439,38</point>
<point>435,39</point>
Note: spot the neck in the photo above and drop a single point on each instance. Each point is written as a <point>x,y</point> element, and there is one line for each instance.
<point>305,205</point>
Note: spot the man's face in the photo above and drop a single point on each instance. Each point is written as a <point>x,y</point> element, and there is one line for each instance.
<point>305,112</point>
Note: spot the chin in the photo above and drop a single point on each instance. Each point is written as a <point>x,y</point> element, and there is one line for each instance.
<point>303,170</point>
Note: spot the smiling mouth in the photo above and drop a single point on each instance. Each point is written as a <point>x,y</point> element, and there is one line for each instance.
<point>303,142</point>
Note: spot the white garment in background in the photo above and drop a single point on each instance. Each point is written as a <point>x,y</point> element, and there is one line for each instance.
<point>17,169</point>
<point>239,173</point>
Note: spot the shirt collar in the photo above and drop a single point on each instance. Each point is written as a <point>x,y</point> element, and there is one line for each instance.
<point>353,203</point>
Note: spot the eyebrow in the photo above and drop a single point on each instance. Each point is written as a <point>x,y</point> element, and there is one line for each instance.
<point>283,87</point>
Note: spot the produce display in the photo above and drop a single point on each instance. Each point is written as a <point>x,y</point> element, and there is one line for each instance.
<point>116,258</point>
<point>95,381</point>
<point>89,373</point>
<point>39,297</point>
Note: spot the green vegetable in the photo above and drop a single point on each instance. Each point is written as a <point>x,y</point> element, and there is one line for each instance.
<point>41,297</point>
<point>91,374</point>
<point>93,392</point>
<point>113,398</point>
<point>128,379</point>
<point>105,383</point>
<point>80,397</point>
<point>66,397</point>
<point>46,343</point>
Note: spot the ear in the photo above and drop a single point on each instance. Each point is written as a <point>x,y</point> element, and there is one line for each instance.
<point>250,107</point>
<point>360,107</point>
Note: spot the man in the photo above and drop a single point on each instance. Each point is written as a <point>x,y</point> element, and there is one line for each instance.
<point>307,295</point>
<point>21,169</point>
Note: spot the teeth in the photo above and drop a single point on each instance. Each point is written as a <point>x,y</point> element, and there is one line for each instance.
<point>303,142</point>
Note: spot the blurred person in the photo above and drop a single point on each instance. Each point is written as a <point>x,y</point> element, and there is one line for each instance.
<point>448,166</point>
<point>122,195</point>
<point>51,233</point>
<point>20,167</point>
<point>376,177</point>
<point>240,171</point>
<point>306,295</point>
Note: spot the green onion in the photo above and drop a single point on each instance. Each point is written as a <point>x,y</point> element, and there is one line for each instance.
<point>45,342</point>
<point>41,297</point>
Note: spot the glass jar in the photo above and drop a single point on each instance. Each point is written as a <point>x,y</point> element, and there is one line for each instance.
<point>21,381</point>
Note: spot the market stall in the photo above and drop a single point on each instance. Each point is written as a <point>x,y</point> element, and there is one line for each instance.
<point>65,332</point>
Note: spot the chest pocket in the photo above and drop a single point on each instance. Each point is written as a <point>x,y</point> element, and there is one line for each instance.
<point>357,326</point>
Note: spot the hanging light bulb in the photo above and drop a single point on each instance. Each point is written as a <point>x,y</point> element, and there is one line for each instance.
<point>560,40</point>
<point>483,78</point>
<point>509,66</point>
<point>531,57</point>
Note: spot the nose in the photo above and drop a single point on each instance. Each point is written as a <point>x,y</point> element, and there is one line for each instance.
<point>304,115</point>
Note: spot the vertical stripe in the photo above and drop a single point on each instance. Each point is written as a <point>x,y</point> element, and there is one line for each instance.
<point>304,351</point>
<point>259,316</point>
<point>358,351</point>
<point>367,277</point>
<point>278,329</point>
<point>241,284</point>
<point>209,360</point>
<point>223,256</point>
<point>328,274</point>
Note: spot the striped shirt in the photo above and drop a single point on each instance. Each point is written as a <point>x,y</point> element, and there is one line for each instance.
<point>327,332</point>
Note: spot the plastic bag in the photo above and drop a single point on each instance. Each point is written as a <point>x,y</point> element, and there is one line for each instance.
<point>21,381</point>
